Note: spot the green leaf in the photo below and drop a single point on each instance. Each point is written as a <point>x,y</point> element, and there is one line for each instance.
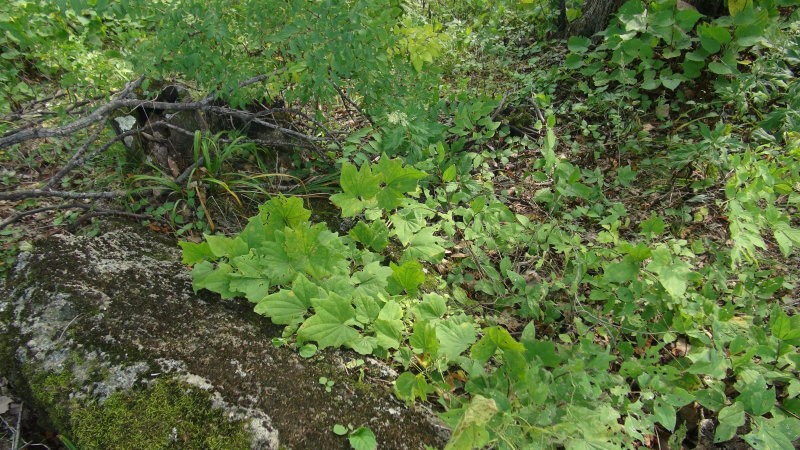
<point>621,272</point>
<point>406,277</point>
<point>737,6</point>
<point>432,307</point>
<point>455,334</point>
<point>665,415</point>
<point>578,44</point>
<point>375,235</point>
<point>206,276</point>
<point>423,339</point>
<point>449,174</point>
<point>653,226</point>
<point>470,433</point>
<point>308,350</point>
<point>424,245</point>
<point>713,37</point>
<point>289,306</point>
<point>730,418</point>
<point>332,323</point>
<point>389,325</point>
<point>719,68</point>
<point>709,362</point>
<point>670,80</point>
<point>195,253</point>
<point>360,188</point>
<point>409,387</point>
<point>776,433</point>
<point>339,430</point>
<point>372,280</point>
<point>398,180</point>
<point>363,439</point>
<point>225,247</point>
<point>494,338</point>
<point>284,211</point>
<point>672,274</point>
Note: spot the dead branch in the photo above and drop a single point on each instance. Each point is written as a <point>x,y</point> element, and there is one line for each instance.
<point>91,212</point>
<point>39,193</point>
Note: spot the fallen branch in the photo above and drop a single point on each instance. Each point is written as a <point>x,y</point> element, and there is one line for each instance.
<point>39,193</point>
<point>90,208</point>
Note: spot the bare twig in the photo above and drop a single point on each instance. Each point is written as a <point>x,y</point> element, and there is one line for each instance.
<point>38,193</point>
<point>353,104</point>
<point>74,161</point>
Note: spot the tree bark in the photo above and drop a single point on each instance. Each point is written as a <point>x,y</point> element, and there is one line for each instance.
<point>595,17</point>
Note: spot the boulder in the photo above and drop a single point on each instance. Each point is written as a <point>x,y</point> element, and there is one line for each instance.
<point>105,338</point>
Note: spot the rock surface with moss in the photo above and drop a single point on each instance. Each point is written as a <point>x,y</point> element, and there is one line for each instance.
<point>105,337</point>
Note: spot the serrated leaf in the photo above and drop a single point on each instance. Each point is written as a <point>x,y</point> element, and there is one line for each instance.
<point>195,253</point>
<point>215,279</point>
<point>455,334</point>
<point>284,211</point>
<point>397,181</point>
<point>225,247</point>
<point>389,325</point>
<point>332,323</point>
<point>470,433</point>
<point>424,245</point>
<point>372,280</point>
<point>359,186</point>
<point>433,306</point>
<point>363,439</point>
<point>621,272</point>
<point>494,338</point>
<point>406,277</point>
<point>289,306</point>
<point>374,236</point>
<point>709,362</point>
<point>672,273</point>
<point>409,387</point>
<point>423,339</point>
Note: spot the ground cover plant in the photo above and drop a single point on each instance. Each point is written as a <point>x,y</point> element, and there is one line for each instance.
<point>559,241</point>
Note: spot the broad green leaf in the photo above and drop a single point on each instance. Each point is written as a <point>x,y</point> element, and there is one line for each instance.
<point>432,307</point>
<point>225,247</point>
<point>332,324</point>
<point>784,327</point>
<point>621,272</point>
<point>360,188</point>
<point>363,439</point>
<point>730,418</point>
<point>713,37</point>
<point>494,338</point>
<point>249,277</point>
<point>407,222</point>
<point>470,433</point>
<point>339,429</point>
<point>665,415</point>
<point>397,181</point>
<point>737,6</point>
<point>284,211</point>
<point>289,306</point>
<point>672,273</point>
<point>372,280</point>
<point>709,362</point>
<point>389,325</point>
<point>367,310</point>
<point>406,277</point>
<point>374,236</point>
<point>776,433</point>
<point>195,253</point>
<point>545,351</point>
<point>578,44</point>
<point>455,334</point>
<point>206,276</point>
<point>424,245</point>
<point>410,387</point>
<point>423,339</point>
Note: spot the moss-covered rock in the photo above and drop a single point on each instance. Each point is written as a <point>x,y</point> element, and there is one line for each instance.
<point>106,339</point>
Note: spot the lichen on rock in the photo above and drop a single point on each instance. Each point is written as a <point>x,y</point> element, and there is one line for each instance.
<point>105,334</point>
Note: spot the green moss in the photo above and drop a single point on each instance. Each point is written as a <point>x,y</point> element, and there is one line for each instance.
<point>168,415</point>
<point>52,393</point>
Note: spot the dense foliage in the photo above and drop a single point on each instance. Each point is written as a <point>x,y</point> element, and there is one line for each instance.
<point>589,243</point>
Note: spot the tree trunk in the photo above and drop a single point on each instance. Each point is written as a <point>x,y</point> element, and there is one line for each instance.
<point>595,17</point>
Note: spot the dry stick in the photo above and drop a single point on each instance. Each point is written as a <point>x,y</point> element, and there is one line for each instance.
<point>38,193</point>
<point>74,161</point>
<point>97,116</point>
<point>31,212</point>
<point>353,104</point>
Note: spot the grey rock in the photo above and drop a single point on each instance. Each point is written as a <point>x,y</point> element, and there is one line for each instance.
<point>116,315</point>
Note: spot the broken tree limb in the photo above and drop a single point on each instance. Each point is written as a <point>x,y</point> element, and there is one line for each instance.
<point>39,193</point>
